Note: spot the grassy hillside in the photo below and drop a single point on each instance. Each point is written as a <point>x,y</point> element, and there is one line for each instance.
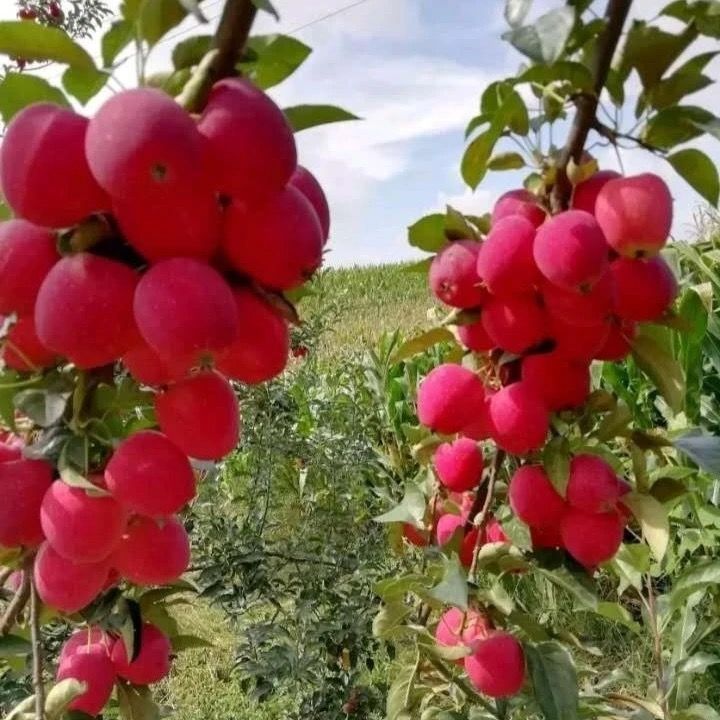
<point>365,302</point>
<point>355,307</point>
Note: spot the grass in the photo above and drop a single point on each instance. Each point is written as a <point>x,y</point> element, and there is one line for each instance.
<point>369,301</point>
<point>366,302</point>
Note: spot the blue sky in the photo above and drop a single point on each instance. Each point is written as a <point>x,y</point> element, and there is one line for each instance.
<point>414,70</point>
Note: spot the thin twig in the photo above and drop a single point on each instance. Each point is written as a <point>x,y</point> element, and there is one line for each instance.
<point>587,103</point>
<point>37,660</point>
<point>230,39</point>
<point>5,574</point>
<point>464,687</point>
<point>482,516</point>
<point>16,606</point>
<point>614,136</point>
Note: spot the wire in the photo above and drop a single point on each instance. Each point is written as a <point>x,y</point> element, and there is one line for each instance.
<point>181,33</point>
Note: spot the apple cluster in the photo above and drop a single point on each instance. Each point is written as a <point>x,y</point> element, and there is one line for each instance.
<point>98,659</point>
<point>541,298</point>
<point>495,661</point>
<point>150,242</point>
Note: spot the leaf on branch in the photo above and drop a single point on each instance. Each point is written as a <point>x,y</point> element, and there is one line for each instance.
<point>506,161</point>
<point>676,125</point>
<point>428,233</point>
<point>390,618</point>
<point>115,40</point>
<point>270,59</point>
<point>554,679</point>
<point>653,519</point>
<point>18,90</point>
<point>457,227</point>
<point>697,663</point>
<point>33,41</point>
<point>157,17</point>
<point>452,589</point>
<point>574,73</point>
<point>544,40</point>
<point>44,407</point>
<point>136,703</point>
<point>303,117</point>
<point>410,510</point>
<point>699,171</point>
<point>399,693</point>
<point>661,367</point>
<point>61,695</point>
<point>84,84</point>
<point>191,51</point>
<point>651,51</point>
<point>267,6</point>
<point>422,342</point>
<point>698,577</point>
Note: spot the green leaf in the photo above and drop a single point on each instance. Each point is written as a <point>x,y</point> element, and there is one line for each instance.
<point>422,342</point>
<point>686,80</point>
<point>270,59</point>
<point>663,369</point>
<point>115,40</point>
<point>189,642</point>
<point>699,171</point>
<point>267,6</point>
<point>13,645</point>
<point>410,510</point>
<point>653,519</point>
<point>84,84</point>
<point>428,233</point>
<point>676,125</point>
<point>60,696</point>
<point>698,577</point>
<point>544,40</point>
<point>18,90</point>
<point>477,155</point>
<point>516,11</point>
<point>390,617</point>
<point>697,663</point>
<point>457,227</point>
<point>190,52</point>
<point>630,564</point>
<point>452,589</point>
<point>556,461</point>
<point>157,17</point>
<point>302,117</point>
<point>398,697</point>
<point>576,584</point>
<point>574,73</point>
<point>44,407</point>
<point>617,613</point>
<point>136,703</point>
<point>33,41</point>
<point>702,449</point>
<point>652,51</point>
<point>506,161</point>
<point>554,680</point>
